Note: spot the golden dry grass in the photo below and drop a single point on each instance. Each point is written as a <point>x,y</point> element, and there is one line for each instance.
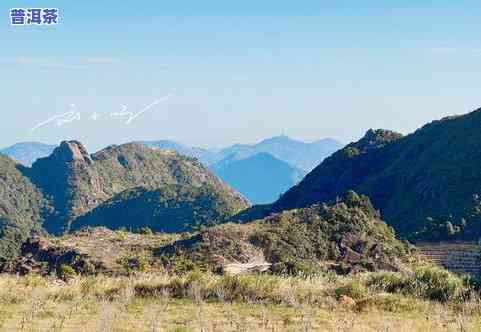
<point>265,303</point>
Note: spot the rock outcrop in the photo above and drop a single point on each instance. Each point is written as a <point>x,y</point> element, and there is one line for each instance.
<point>346,236</point>
<point>72,151</point>
<point>88,252</point>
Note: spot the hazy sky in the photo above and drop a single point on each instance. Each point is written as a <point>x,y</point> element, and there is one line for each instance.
<point>238,71</point>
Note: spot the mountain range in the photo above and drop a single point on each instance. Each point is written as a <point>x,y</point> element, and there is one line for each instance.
<point>298,154</point>
<point>27,152</point>
<point>69,183</point>
<point>301,155</point>
<point>427,184</point>
<point>261,172</point>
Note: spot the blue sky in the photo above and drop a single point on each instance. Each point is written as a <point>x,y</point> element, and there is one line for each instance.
<point>237,71</point>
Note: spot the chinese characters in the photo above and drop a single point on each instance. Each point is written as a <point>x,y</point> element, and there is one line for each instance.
<point>34,16</point>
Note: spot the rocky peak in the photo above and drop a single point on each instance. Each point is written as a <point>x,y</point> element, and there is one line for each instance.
<point>70,151</point>
<point>377,138</point>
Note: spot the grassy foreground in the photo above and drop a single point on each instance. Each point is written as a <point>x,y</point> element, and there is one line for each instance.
<point>428,299</point>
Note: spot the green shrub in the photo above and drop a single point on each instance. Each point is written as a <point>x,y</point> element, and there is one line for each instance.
<point>436,283</point>
<point>182,265</point>
<point>429,282</point>
<point>248,287</point>
<point>133,263</point>
<point>65,271</point>
<point>122,233</point>
<point>352,288</point>
<point>391,282</point>
<point>177,287</point>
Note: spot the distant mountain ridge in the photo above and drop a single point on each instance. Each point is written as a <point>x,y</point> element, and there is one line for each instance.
<point>27,152</point>
<point>262,178</point>
<point>427,184</point>
<point>301,155</point>
<point>304,156</point>
<point>243,166</point>
<point>298,154</point>
<point>261,171</point>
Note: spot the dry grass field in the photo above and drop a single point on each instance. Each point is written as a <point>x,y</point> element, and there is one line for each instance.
<point>205,302</point>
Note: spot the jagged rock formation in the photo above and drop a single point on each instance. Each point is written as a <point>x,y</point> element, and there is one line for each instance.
<point>68,179</point>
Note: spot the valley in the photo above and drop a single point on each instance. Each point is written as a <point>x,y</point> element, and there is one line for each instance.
<point>114,236</point>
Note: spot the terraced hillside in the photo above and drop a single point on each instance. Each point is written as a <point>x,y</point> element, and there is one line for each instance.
<point>458,257</point>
